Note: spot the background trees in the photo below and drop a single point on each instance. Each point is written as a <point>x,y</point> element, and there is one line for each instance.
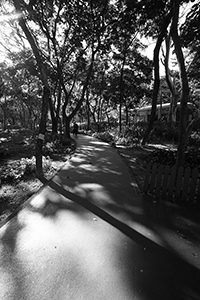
<point>171,21</point>
<point>84,60</point>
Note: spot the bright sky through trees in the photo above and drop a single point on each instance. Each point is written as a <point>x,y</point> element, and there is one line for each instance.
<point>5,31</point>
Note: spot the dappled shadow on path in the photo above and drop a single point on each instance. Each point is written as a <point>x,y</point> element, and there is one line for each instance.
<point>153,271</point>
<point>10,266</point>
<point>161,274</point>
<point>98,174</point>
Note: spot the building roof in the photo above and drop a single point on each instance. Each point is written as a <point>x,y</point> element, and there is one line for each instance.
<point>164,105</point>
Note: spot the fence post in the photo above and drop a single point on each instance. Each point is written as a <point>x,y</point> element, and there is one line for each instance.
<point>172,181</point>
<point>179,182</point>
<point>193,185</point>
<point>147,178</point>
<point>165,181</point>
<point>186,182</point>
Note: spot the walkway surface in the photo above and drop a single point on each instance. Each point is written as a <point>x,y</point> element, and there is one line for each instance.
<point>88,235</point>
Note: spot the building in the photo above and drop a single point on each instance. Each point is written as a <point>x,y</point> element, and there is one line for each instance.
<point>143,114</point>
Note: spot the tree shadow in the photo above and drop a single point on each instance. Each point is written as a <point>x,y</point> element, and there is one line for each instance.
<point>167,275</point>
<point>152,271</point>
<point>103,182</point>
<point>10,267</point>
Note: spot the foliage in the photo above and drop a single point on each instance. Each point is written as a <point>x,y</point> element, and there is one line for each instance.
<point>194,140</point>
<point>58,146</point>
<point>168,157</point>
<point>17,160</point>
<point>104,136</point>
<point>131,135</point>
<point>16,171</point>
<point>151,14</point>
<point>21,101</point>
<point>164,131</point>
<point>163,156</point>
<point>190,32</point>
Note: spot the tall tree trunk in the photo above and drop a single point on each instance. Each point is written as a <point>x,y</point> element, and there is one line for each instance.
<point>88,110</point>
<point>44,79</point>
<point>53,117</point>
<point>4,115</point>
<point>58,119</point>
<point>42,130</point>
<point>127,115</point>
<point>156,76</point>
<point>108,118</point>
<point>170,83</point>
<point>184,82</point>
<point>67,122</point>
<point>121,90</point>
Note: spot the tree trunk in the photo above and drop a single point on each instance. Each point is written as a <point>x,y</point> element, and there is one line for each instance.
<point>46,89</point>
<point>121,91</point>
<point>58,119</point>
<point>67,128</point>
<point>4,116</point>
<point>171,85</point>
<point>88,110</point>
<point>53,117</point>
<point>185,87</point>
<point>108,118</point>
<point>127,115</point>
<point>156,76</point>
<point>41,135</point>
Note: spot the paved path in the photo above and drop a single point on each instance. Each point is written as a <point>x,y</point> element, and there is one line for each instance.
<point>88,235</point>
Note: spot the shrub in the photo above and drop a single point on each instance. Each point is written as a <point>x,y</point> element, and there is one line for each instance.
<point>192,158</point>
<point>168,157</point>
<point>163,131</point>
<point>162,156</point>
<point>26,166</point>
<point>104,136</point>
<point>58,145</point>
<point>131,135</point>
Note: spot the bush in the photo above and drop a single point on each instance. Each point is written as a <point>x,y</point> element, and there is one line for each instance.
<point>58,146</point>
<point>163,131</point>
<point>104,136</point>
<point>192,158</point>
<point>163,157</point>
<point>25,167</point>
<point>131,135</point>
<point>194,140</point>
<point>168,157</point>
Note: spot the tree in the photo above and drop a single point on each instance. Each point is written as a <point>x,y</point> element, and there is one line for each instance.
<point>163,28</point>
<point>190,36</point>
<point>19,6</point>
<point>125,45</point>
<point>22,87</point>
<point>1,87</point>
<point>173,17</point>
<point>184,81</point>
<point>170,79</point>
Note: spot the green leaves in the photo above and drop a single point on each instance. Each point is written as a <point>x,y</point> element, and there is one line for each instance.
<point>190,31</point>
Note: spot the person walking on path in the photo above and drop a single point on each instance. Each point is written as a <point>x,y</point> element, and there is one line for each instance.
<point>75,129</point>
